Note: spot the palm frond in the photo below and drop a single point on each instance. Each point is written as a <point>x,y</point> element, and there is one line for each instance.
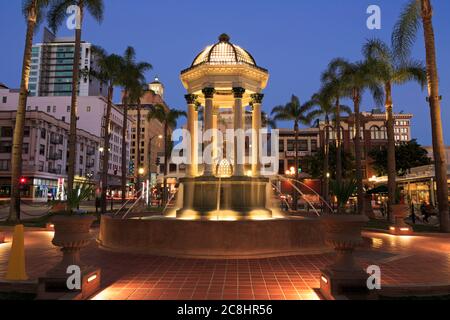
<point>96,9</point>
<point>406,28</point>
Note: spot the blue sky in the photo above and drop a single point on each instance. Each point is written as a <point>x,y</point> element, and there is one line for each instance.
<point>294,39</point>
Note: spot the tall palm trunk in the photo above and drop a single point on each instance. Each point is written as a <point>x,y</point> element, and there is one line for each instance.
<point>358,152</point>
<point>166,162</point>
<point>16,161</point>
<point>326,165</point>
<point>297,177</point>
<point>124,147</point>
<point>391,165</point>
<point>73,109</point>
<point>436,119</point>
<point>107,138</point>
<point>138,141</point>
<point>338,142</point>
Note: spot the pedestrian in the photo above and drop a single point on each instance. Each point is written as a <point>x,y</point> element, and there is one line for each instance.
<point>413,213</point>
<point>425,212</point>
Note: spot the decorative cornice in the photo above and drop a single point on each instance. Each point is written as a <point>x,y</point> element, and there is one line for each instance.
<point>257,98</point>
<point>191,98</point>
<point>238,92</point>
<point>209,93</point>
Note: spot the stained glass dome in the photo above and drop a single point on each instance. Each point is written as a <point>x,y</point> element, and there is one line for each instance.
<point>224,52</point>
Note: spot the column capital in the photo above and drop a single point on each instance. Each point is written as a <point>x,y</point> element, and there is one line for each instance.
<point>257,98</point>
<point>209,92</point>
<point>238,92</point>
<point>191,98</point>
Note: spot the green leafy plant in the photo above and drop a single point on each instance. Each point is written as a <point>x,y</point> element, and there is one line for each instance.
<point>74,199</point>
<point>343,191</point>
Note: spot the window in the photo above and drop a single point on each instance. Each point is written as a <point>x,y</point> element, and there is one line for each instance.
<point>314,146</point>
<point>4,165</point>
<point>88,109</point>
<point>25,148</point>
<point>281,148</point>
<point>49,109</point>
<point>43,133</point>
<point>303,145</point>
<point>42,150</point>
<point>63,119</point>
<point>281,167</point>
<point>29,108</point>
<point>26,131</point>
<point>5,147</point>
<point>41,166</point>
<point>81,161</point>
<point>291,145</point>
<point>5,99</point>
<point>68,108</point>
<point>54,109</point>
<point>6,132</point>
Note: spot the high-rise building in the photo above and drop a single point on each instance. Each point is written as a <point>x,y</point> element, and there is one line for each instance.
<point>52,68</point>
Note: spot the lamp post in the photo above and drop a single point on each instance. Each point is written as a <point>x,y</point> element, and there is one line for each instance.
<point>149,161</point>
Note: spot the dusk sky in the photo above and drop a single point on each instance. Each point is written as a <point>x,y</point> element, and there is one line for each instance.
<point>293,39</point>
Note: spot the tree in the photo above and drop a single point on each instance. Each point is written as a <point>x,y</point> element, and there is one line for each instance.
<point>415,14</point>
<point>132,74</point>
<point>33,11</point>
<point>327,109</point>
<point>169,119</point>
<point>408,155</point>
<point>332,82</point>
<point>56,16</point>
<point>108,72</point>
<point>356,78</point>
<point>315,163</point>
<point>298,113</point>
<point>392,69</point>
<point>267,121</point>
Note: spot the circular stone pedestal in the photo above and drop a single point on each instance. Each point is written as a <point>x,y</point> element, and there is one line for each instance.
<point>234,198</point>
<point>213,239</point>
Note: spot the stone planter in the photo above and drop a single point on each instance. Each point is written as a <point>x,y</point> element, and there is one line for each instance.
<point>343,276</point>
<point>71,234</point>
<point>399,213</point>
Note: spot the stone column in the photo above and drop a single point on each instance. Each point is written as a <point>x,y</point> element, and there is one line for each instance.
<point>208,118</point>
<point>215,136</point>
<point>239,140</point>
<point>192,167</point>
<point>256,127</point>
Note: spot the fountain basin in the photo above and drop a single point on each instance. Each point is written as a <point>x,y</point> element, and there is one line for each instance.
<point>208,239</point>
<point>235,198</point>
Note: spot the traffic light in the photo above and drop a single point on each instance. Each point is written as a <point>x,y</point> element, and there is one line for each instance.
<point>22,183</point>
<point>131,168</point>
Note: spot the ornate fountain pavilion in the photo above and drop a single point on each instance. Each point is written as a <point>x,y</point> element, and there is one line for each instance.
<point>224,76</point>
<point>222,210</point>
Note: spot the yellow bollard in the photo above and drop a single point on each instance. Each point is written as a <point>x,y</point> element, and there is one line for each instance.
<point>16,266</point>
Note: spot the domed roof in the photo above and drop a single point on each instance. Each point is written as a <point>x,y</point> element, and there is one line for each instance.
<point>224,52</point>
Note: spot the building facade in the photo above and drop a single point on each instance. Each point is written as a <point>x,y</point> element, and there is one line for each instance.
<point>373,134</point>
<point>91,119</point>
<point>52,68</point>
<point>45,155</point>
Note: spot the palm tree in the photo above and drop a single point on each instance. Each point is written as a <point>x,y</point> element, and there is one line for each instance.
<point>33,11</point>
<point>332,83</point>
<point>327,109</point>
<point>415,13</point>
<point>132,74</point>
<point>108,72</point>
<point>267,121</point>
<point>358,77</point>
<point>56,16</point>
<point>393,69</point>
<point>297,112</point>
<point>136,93</point>
<point>168,118</point>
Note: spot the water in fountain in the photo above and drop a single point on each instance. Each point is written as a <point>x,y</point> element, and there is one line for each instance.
<point>280,193</point>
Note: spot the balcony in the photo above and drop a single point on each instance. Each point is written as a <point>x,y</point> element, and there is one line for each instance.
<point>56,139</point>
<point>54,171</point>
<point>55,156</point>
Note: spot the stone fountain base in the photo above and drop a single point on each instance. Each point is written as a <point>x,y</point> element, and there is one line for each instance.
<point>234,198</point>
<point>208,239</point>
